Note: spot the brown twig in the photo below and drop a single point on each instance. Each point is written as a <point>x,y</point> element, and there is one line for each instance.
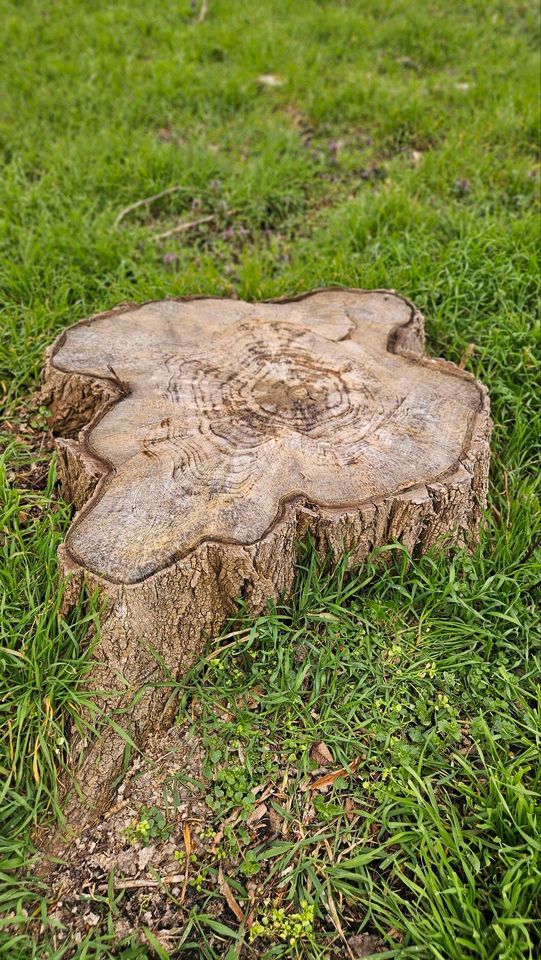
<point>190,225</point>
<point>140,884</point>
<point>467,355</point>
<point>146,200</point>
<point>203,11</point>
<point>116,808</point>
<point>185,226</point>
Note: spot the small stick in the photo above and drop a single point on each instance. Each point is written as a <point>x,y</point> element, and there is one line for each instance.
<point>203,11</point>
<point>190,224</point>
<point>146,200</point>
<point>468,353</point>
<point>139,884</point>
<point>186,225</point>
<point>116,808</point>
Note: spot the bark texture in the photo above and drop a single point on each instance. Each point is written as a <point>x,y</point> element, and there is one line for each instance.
<point>200,440</point>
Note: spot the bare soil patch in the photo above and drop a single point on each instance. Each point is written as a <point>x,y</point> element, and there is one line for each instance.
<point>143,875</point>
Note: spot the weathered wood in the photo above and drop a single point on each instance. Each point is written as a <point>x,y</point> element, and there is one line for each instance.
<point>201,439</point>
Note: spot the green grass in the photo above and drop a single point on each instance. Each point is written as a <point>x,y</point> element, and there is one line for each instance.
<point>399,150</point>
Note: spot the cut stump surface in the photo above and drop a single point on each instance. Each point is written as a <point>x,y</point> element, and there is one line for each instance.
<point>201,439</point>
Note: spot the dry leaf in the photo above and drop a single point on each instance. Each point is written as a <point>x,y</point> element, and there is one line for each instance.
<point>321,754</point>
<point>144,856</point>
<point>258,813</point>
<point>330,778</point>
<point>188,845</point>
<point>35,765</point>
<point>187,838</point>
<point>227,892</point>
<point>365,945</point>
<point>275,821</point>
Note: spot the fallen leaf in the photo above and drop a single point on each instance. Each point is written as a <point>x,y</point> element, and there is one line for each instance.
<point>187,838</point>
<point>227,892</point>
<point>91,919</point>
<point>321,754</point>
<point>35,765</point>
<point>188,845</point>
<point>275,821</point>
<point>365,945</point>
<point>258,813</point>
<point>330,778</point>
<point>145,856</point>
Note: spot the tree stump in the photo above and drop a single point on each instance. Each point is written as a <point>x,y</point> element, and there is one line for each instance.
<point>202,439</point>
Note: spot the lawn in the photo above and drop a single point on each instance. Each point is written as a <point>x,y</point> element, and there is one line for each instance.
<point>368,144</point>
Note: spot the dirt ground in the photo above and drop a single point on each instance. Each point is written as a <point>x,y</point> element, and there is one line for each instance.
<point>116,861</point>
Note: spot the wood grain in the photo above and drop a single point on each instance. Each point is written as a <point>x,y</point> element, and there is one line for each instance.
<point>201,439</point>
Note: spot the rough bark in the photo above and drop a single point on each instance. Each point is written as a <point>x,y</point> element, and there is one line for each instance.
<point>202,439</point>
